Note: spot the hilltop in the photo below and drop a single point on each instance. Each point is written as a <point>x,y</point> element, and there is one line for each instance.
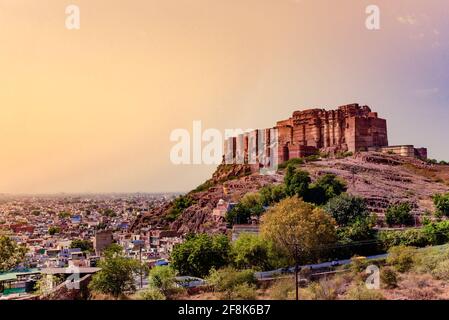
<point>381,179</point>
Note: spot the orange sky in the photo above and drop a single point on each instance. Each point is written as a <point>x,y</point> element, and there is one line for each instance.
<point>91,110</point>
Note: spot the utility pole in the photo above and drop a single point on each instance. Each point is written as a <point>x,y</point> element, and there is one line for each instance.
<point>296,271</point>
<point>296,251</point>
<point>141,274</point>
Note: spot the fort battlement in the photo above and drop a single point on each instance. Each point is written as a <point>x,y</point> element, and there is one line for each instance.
<point>350,127</point>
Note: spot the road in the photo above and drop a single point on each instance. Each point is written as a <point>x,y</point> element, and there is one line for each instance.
<point>271,273</point>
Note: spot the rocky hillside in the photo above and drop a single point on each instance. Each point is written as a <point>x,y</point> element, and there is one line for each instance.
<point>381,179</point>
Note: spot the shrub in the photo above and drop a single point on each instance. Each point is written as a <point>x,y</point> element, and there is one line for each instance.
<point>54,230</point>
<point>326,187</point>
<point>409,237</point>
<point>312,158</point>
<point>346,209</point>
<point>233,284</point>
<point>296,182</point>
<point>199,253</point>
<point>401,258</point>
<point>442,203</point>
<point>437,232</point>
<point>345,154</point>
<point>152,294</point>
<point>441,270</point>
<point>361,292</point>
<point>325,289</point>
<point>358,230</point>
<point>243,291</point>
<point>389,278</point>
<point>178,206</point>
<point>272,194</point>
<point>228,278</point>
<point>293,162</point>
<point>283,289</point>
<point>204,186</point>
<point>427,260</point>
<point>251,251</point>
<point>399,214</point>
<point>163,279</point>
<point>239,214</point>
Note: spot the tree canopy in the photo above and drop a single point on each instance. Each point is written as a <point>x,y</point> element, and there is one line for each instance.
<point>346,209</point>
<point>296,225</point>
<point>11,254</point>
<point>116,276</point>
<point>199,253</point>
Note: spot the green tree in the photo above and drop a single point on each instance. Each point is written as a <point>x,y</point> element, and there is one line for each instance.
<point>253,201</point>
<point>64,214</point>
<point>325,188</point>
<point>54,230</point>
<point>83,245</point>
<point>272,194</point>
<point>199,253</point>
<point>116,276</point>
<point>11,254</point>
<point>250,205</point>
<point>441,202</point>
<point>299,229</point>
<point>252,252</point>
<point>296,182</point>
<point>361,228</point>
<point>238,214</point>
<point>162,278</point>
<point>109,213</point>
<point>346,209</point>
<point>399,214</point>
<point>401,258</point>
<point>178,206</point>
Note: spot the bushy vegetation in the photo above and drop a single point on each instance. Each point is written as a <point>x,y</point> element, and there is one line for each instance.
<point>83,245</point>
<point>272,194</point>
<point>251,251</point>
<point>401,258</point>
<point>199,253</point>
<point>179,205</point>
<point>298,183</point>
<point>389,278</point>
<point>250,205</point>
<point>161,284</point>
<point>293,224</point>
<point>441,202</point>
<point>408,237</point>
<point>293,162</point>
<point>399,215</point>
<point>233,284</point>
<point>54,230</point>
<point>347,209</point>
<point>11,254</point>
<point>204,186</point>
<point>361,292</point>
<point>116,276</point>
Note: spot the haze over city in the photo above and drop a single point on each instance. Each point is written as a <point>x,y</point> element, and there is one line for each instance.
<point>91,110</point>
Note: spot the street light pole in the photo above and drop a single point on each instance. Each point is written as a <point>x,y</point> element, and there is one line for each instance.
<point>296,255</point>
<point>141,275</point>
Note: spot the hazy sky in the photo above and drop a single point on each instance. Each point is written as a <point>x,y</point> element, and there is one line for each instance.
<point>91,110</point>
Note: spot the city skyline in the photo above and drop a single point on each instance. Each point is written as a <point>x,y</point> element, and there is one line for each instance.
<point>91,110</point>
